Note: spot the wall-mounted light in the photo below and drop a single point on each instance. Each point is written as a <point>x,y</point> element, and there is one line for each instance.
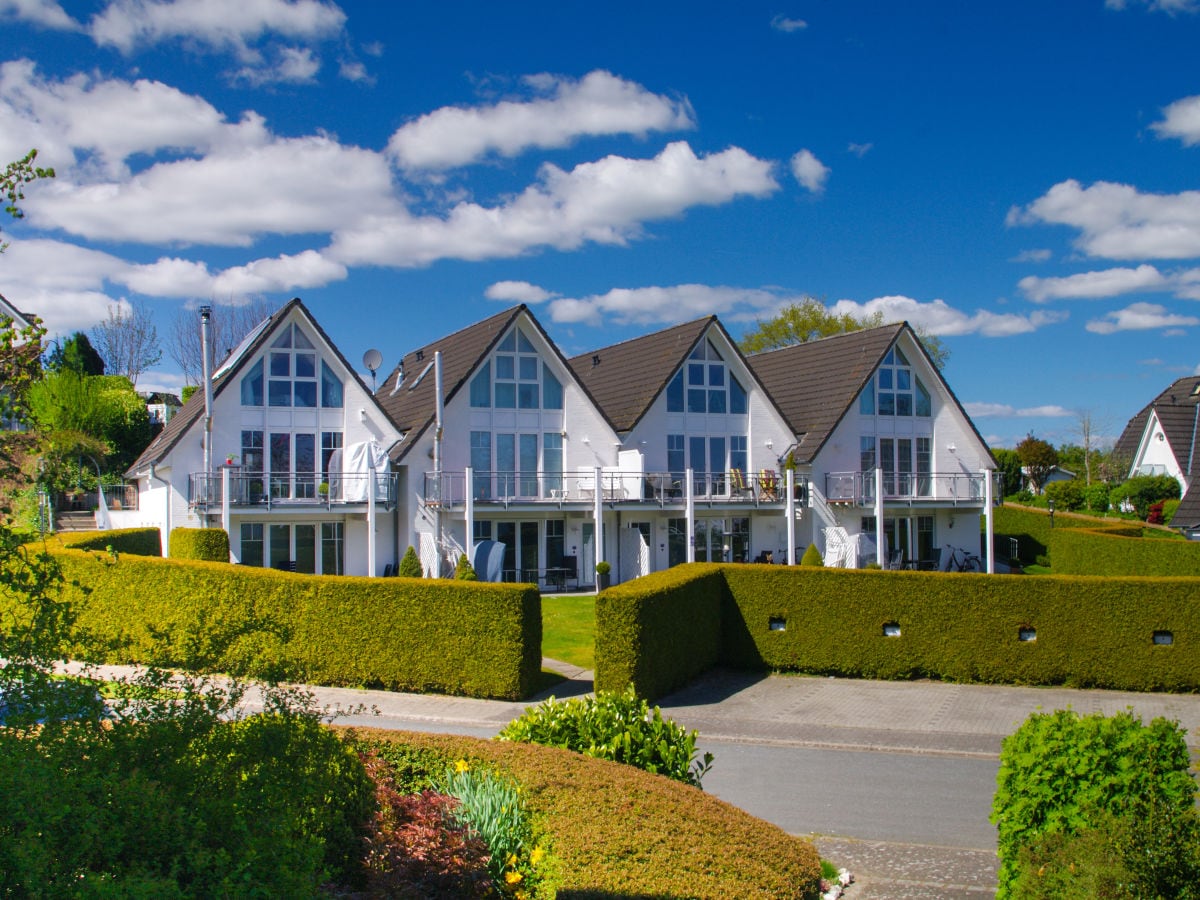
<point>563,435</point>
<point>586,439</point>
<point>951,447</point>
<point>770,444</point>
<point>362,415</point>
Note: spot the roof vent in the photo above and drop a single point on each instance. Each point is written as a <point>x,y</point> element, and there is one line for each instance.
<point>420,355</point>
<point>595,360</point>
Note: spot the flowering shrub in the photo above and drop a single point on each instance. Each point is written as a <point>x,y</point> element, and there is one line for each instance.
<point>620,727</point>
<point>493,808</point>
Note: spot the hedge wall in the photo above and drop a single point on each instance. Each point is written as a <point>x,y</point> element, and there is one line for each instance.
<point>1088,631</point>
<point>1121,551</point>
<point>137,541</point>
<point>454,637</point>
<point>661,630</point>
<point>210,544</point>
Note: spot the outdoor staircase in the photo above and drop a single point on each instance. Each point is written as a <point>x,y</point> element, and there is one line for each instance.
<point>76,520</point>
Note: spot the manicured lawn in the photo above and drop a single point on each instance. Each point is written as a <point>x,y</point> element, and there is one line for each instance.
<point>569,629</point>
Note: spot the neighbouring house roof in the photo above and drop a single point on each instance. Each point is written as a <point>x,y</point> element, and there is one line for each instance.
<point>229,370</point>
<point>817,383</point>
<point>1178,412</point>
<point>7,310</point>
<point>626,378</point>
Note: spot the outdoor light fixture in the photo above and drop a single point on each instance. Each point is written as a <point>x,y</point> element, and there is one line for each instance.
<point>951,447</point>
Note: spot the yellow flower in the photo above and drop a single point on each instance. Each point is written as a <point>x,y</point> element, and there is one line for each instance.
<point>461,766</point>
<point>536,856</point>
<point>512,877</point>
<point>512,860</point>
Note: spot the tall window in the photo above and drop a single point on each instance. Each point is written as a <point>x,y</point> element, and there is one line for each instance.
<point>738,453</point>
<point>481,462</point>
<point>552,460</point>
<point>331,441</point>
<point>895,390</point>
<point>333,549</point>
<point>516,378</point>
<point>705,385</point>
<point>252,544</point>
<point>292,375</point>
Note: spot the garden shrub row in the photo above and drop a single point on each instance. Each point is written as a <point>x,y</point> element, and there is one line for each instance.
<point>135,541</point>
<point>210,544</point>
<point>617,831</point>
<point>659,631</point>
<point>454,637</point>
<point>1075,630</point>
<point>1121,550</point>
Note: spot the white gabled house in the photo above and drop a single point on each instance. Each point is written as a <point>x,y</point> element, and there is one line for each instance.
<point>674,447</point>
<point>294,435</point>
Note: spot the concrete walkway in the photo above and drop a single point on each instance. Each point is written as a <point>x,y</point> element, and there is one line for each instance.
<point>922,718</point>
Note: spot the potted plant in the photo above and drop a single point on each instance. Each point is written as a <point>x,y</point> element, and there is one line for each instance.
<point>603,576</point>
<point>230,459</point>
<point>323,490</point>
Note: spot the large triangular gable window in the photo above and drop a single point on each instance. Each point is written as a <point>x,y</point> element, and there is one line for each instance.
<point>705,385</point>
<point>516,378</point>
<point>294,375</point>
<point>895,390</point>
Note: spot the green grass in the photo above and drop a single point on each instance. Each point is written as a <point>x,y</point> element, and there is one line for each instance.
<point>569,629</point>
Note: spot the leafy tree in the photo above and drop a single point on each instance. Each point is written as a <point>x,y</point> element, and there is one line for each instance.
<point>410,566</point>
<point>1008,463</point>
<point>1038,459</point>
<point>1143,490</point>
<point>1067,495</point>
<point>128,341</point>
<point>12,183</point>
<point>810,320</point>
<point>76,355</point>
<point>227,326</point>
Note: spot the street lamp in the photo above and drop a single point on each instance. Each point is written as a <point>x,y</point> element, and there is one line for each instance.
<point>1050,505</point>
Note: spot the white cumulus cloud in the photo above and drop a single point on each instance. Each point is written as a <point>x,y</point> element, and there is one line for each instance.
<point>984,410</point>
<point>940,318</point>
<point>1140,317</point>
<point>788,25</point>
<point>663,304</point>
<point>810,171</point>
<point>1181,120</point>
<point>1117,221</point>
<point>1093,285</point>
<point>518,292</point>
<point>46,13</point>
<point>598,104</point>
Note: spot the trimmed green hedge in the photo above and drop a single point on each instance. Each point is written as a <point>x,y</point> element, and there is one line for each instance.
<point>137,541</point>
<point>1088,632</point>
<point>210,544</point>
<point>659,631</point>
<point>1121,551</point>
<point>455,637</point>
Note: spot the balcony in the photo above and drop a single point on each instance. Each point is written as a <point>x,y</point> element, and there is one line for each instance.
<point>934,489</point>
<point>290,490</point>
<point>627,489</point>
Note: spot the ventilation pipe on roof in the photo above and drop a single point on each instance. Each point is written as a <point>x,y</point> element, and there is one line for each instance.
<point>206,366</point>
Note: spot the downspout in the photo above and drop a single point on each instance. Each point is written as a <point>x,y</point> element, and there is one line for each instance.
<point>437,456</point>
<point>152,476</point>
<point>206,367</point>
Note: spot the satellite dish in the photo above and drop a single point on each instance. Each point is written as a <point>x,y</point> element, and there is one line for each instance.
<point>372,359</point>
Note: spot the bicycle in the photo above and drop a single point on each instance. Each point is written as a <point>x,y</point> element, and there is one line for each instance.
<point>962,561</point>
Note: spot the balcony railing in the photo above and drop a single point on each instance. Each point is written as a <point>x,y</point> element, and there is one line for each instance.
<point>659,488</point>
<point>290,489</point>
<point>859,487</point>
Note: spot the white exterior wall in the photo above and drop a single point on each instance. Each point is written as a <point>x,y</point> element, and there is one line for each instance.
<point>1154,455</point>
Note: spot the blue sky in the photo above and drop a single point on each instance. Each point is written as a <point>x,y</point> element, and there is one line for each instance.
<point>1019,178</point>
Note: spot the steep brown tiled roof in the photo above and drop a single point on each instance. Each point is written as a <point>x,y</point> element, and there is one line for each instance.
<point>816,383</point>
<point>625,378</point>
<point>413,406</point>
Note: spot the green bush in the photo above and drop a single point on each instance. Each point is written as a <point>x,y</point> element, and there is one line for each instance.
<point>137,541</point>
<point>621,832</point>
<point>1169,509</point>
<point>1121,550</point>
<point>1067,495</point>
<point>1095,497</point>
<point>410,566</point>
<point>620,727</point>
<point>1060,773</point>
<point>211,544</point>
<point>660,630</point>
<point>812,557</point>
<point>1142,490</point>
<point>454,637</point>
<point>464,571</point>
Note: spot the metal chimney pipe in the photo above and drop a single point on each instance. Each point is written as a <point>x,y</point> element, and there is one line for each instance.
<point>206,366</point>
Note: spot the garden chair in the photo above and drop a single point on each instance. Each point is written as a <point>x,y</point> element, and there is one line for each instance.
<point>737,484</point>
<point>933,562</point>
<point>768,483</point>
